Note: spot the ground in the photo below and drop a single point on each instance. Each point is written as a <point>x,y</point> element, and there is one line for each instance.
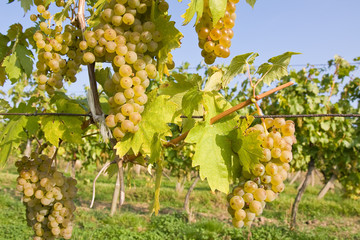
<point>330,218</point>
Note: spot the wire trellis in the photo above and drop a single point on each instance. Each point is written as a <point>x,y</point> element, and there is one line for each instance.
<point>255,116</point>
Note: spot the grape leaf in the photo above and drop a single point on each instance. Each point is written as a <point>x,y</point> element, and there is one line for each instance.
<point>158,112</point>
<point>251,2</point>
<point>177,89</point>
<point>214,82</point>
<point>63,127</point>
<point>170,37</point>
<point>14,31</point>
<point>26,4</point>
<point>276,68</point>
<point>60,17</point>
<point>2,76</point>
<point>195,6</point>
<point>238,66</point>
<point>247,147</point>
<point>191,101</point>
<point>217,9</point>
<point>155,149</point>
<point>4,49</point>
<point>12,67</point>
<point>24,55</point>
<point>213,152</point>
<point>158,177</point>
<point>11,134</point>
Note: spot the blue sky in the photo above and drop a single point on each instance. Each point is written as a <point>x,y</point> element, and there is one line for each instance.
<point>318,29</point>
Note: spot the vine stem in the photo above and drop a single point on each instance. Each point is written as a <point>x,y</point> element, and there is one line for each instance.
<point>91,67</point>
<point>229,111</point>
<point>103,169</point>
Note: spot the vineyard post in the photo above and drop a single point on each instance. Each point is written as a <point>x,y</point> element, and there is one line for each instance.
<point>327,186</point>
<point>295,206</point>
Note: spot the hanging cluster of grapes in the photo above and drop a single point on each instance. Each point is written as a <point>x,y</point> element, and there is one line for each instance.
<point>215,39</point>
<point>129,40</point>
<point>48,196</point>
<point>265,181</point>
<point>59,57</point>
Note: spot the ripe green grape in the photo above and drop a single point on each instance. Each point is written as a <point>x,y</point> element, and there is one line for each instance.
<point>119,98</point>
<point>237,202</point>
<point>125,70</point>
<point>127,126</point>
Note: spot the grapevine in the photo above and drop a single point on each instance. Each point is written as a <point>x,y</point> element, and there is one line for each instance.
<point>265,180</point>
<point>48,196</point>
<point>215,38</point>
<point>165,120</point>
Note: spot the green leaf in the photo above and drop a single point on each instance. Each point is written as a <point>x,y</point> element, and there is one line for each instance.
<point>214,82</point>
<point>170,37</point>
<point>238,66</point>
<point>251,2</point>
<point>5,152</point>
<point>155,149</point>
<point>159,171</point>
<point>112,170</point>
<point>247,147</point>
<point>158,112</point>
<point>191,101</point>
<point>24,55</point>
<point>2,76</point>
<point>325,125</point>
<point>26,4</point>
<point>213,152</point>
<point>195,6</point>
<point>177,89</point>
<point>14,31</point>
<point>4,49</point>
<point>12,67</point>
<point>13,133</point>
<point>217,9</point>
<point>65,127</point>
<point>276,68</point>
<point>60,17</point>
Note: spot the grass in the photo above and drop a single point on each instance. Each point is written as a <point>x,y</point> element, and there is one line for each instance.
<point>330,218</point>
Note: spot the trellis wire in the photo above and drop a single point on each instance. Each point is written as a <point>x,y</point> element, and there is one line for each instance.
<point>255,116</point>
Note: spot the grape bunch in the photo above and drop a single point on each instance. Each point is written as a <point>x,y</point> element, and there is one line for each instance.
<point>215,39</point>
<point>58,55</point>
<point>48,196</point>
<point>266,179</point>
<point>129,40</point>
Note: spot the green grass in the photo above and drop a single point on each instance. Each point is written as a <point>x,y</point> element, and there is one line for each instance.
<point>330,218</point>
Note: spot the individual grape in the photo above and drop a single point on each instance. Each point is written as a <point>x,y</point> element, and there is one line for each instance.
<point>125,70</point>
<point>279,122</point>
<point>248,197</point>
<point>278,188</point>
<point>276,180</point>
<point>128,19</point>
<point>286,156</point>
<point>255,207</point>
<point>271,169</point>
<point>260,194</point>
<point>110,121</point>
<point>250,186</point>
<point>237,202</point>
<point>127,126</point>
<point>258,169</point>
<point>89,58</point>
<point>130,57</point>
<point>126,82</point>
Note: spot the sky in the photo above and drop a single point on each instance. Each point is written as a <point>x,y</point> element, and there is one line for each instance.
<point>318,29</point>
